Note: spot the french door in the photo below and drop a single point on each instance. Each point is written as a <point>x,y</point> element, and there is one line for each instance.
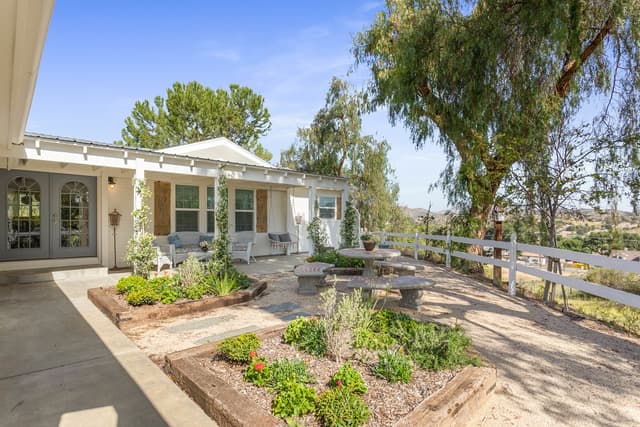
<point>46,215</point>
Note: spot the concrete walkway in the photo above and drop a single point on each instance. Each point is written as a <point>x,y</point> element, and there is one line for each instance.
<point>62,363</point>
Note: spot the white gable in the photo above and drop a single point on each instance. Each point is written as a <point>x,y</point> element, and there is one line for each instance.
<point>218,149</point>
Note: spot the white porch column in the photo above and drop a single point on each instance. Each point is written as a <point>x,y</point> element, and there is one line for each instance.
<point>138,176</point>
<point>216,200</point>
<point>312,212</point>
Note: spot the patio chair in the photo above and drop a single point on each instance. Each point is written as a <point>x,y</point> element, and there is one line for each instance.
<point>242,246</point>
<point>282,241</point>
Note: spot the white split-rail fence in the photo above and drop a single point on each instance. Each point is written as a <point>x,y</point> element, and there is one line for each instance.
<point>602,291</point>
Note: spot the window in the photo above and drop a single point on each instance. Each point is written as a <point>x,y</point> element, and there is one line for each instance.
<point>187,206</point>
<point>74,215</point>
<point>327,207</point>
<point>244,210</point>
<point>23,213</point>
<point>211,210</point>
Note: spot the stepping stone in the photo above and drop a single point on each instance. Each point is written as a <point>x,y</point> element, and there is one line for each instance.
<point>278,308</point>
<point>227,334</point>
<point>293,316</point>
<point>200,324</point>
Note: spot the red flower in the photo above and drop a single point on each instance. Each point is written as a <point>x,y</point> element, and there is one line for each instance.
<point>338,383</point>
<point>258,366</point>
<point>253,354</point>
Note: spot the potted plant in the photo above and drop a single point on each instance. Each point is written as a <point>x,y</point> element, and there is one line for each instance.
<point>368,242</point>
<point>204,245</point>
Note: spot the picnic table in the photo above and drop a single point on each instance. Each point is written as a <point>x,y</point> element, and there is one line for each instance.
<point>369,257</point>
<point>411,288</point>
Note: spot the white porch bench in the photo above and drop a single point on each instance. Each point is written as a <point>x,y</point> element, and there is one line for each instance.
<point>310,276</point>
<point>411,288</point>
<point>399,268</point>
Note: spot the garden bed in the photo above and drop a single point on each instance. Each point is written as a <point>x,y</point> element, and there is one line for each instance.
<point>446,397</point>
<point>116,308</point>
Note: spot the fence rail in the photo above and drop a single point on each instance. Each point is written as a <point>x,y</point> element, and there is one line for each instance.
<point>513,247</point>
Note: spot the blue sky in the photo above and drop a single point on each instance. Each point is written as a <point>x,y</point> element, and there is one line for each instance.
<point>100,57</point>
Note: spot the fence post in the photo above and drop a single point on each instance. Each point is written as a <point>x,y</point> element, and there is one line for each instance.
<point>416,245</point>
<point>448,251</point>
<point>383,238</point>
<point>513,264</point>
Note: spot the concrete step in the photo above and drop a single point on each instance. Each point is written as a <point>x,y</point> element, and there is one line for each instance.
<point>52,274</point>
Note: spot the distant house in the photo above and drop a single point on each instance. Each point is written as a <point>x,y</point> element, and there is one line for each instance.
<point>532,258</point>
<point>625,254</point>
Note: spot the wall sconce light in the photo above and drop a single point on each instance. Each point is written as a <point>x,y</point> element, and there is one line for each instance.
<point>112,182</point>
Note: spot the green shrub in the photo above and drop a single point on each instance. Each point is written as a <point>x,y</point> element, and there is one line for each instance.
<point>333,257</point>
<point>393,367</point>
<point>294,399</point>
<point>366,338</point>
<point>190,272</point>
<point>258,372</point>
<point>628,282</point>
<point>223,285</point>
<point>196,291</point>
<point>142,296</point>
<point>285,371</point>
<point>307,335</point>
<point>127,284</point>
<point>350,379</point>
<point>238,349</point>
<point>338,407</point>
<point>167,290</point>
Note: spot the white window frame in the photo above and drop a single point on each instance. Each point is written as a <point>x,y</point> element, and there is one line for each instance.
<point>236,210</point>
<point>335,206</point>
<point>177,209</point>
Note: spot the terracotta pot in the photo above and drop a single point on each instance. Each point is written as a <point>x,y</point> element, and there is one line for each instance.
<point>369,245</point>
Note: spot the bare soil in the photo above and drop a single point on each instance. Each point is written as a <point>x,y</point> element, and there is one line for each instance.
<point>387,402</point>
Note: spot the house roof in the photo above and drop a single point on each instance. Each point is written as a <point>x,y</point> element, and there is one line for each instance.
<point>165,154</point>
<point>218,149</point>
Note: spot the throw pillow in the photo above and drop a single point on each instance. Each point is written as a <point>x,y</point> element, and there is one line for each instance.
<point>285,237</point>
<point>274,237</point>
<point>205,238</point>
<point>174,240</point>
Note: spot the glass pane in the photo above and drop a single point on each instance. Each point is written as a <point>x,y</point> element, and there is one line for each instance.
<point>327,213</point>
<point>23,213</point>
<point>211,222</point>
<point>211,202</point>
<point>327,202</point>
<point>187,197</point>
<point>244,200</point>
<point>244,221</point>
<point>74,215</point>
<point>186,221</point>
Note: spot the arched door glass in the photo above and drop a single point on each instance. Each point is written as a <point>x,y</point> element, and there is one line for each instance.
<point>23,213</point>
<point>74,215</point>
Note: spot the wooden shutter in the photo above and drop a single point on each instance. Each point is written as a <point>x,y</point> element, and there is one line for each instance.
<point>162,208</point>
<point>261,211</point>
<point>338,207</point>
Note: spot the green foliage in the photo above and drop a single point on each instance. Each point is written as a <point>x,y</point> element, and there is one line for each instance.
<point>306,335</point>
<point>142,296</point>
<point>318,235</point>
<point>221,261</point>
<point>167,289</point>
<point>238,349</point>
<point>126,284</point>
<point>140,251</point>
<point>285,371</point>
<point>628,282</point>
<point>348,228</point>
<point>190,272</point>
<point>192,112</point>
<point>366,338</point>
<point>196,291</point>
<point>333,257</point>
<point>221,286</point>
<point>338,407</point>
<point>294,399</point>
<point>350,379</point>
<point>393,367</point>
<point>258,372</point>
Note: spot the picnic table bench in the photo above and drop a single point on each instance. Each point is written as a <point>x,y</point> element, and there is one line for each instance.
<point>411,288</point>
<point>400,268</point>
<point>310,276</point>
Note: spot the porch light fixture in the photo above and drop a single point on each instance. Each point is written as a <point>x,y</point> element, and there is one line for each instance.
<point>498,214</point>
<point>298,219</point>
<point>114,221</point>
<point>112,182</point>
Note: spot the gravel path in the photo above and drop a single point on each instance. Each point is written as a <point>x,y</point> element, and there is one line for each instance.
<point>551,370</point>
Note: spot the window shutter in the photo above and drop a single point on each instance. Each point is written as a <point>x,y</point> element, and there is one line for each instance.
<point>338,207</point>
<point>162,208</point>
<point>261,211</point>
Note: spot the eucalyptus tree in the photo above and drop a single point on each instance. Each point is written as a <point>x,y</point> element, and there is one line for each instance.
<point>192,112</point>
<point>486,79</point>
<point>333,144</point>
